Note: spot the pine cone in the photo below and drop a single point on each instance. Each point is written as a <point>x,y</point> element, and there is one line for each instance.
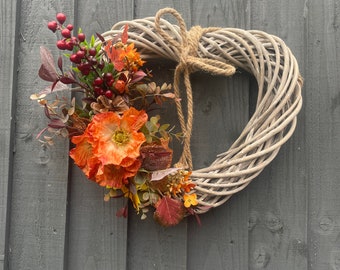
<point>103,104</point>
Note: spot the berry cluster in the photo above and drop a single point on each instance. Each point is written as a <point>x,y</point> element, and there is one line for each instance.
<point>97,76</point>
<point>68,42</point>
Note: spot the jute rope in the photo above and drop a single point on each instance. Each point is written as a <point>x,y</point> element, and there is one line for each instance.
<point>219,51</point>
<point>189,62</point>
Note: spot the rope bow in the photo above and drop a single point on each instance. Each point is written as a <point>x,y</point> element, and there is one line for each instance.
<point>188,62</point>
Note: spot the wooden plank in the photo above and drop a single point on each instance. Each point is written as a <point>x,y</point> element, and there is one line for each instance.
<point>97,239</point>
<point>221,113</point>
<point>278,209</point>
<point>150,246</point>
<point>38,205</point>
<point>322,130</point>
<point>7,87</point>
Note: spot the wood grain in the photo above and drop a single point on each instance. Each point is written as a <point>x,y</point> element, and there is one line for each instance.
<point>150,246</point>
<point>221,114</point>
<point>7,88</point>
<point>97,239</point>
<point>322,130</point>
<point>277,198</point>
<point>288,218</point>
<point>38,205</point>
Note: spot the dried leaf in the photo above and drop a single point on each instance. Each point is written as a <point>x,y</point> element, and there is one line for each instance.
<point>169,211</point>
<point>47,69</point>
<point>159,175</point>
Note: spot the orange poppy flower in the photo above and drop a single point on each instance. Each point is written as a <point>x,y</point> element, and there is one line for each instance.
<point>83,156</point>
<point>115,138</point>
<point>116,176</point>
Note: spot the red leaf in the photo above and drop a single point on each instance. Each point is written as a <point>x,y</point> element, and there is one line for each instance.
<point>47,69</point>
<point>123,212</point>
<point>169,211</point>
<point>125,34</point>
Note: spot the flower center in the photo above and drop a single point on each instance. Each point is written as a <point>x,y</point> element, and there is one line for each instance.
<point>120,137</point>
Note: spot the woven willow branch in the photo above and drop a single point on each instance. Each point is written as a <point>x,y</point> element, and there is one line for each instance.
<point>279,100</point>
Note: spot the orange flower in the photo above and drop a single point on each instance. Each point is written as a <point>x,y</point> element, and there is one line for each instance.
<point>132,57</point>
<point>116,138</point>
<point>122,55</point>
<point>108,150</point>
<point>116,176</point>
<point>83,156</point>
<point>190,200</point>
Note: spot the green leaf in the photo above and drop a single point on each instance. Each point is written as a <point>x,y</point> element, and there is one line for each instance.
<point>93,40</point>
<point>164,127</point>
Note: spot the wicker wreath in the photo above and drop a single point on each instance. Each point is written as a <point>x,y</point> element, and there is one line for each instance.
<point>220,51</point>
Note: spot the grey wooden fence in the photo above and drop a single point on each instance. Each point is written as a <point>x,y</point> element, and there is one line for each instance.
<point>51,217</point>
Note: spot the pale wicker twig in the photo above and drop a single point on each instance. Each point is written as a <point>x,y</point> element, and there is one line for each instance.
<point>279,100</point>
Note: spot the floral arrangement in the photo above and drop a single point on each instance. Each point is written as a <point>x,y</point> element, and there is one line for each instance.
<point>116,142</point>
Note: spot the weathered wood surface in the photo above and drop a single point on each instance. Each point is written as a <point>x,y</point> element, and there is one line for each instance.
<point>51,217</point>
<point>7,86</point>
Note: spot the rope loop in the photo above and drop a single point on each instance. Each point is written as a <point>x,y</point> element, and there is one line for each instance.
<point>189,62</point>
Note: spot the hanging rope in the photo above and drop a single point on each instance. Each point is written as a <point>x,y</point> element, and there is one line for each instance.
<point>189,62</point>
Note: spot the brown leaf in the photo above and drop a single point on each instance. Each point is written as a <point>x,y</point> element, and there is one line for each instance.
<point>169,211</point>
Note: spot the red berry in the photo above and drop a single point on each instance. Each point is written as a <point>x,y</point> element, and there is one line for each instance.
<point>98,90</point>
<point>69,45</point>
<point>110,82</point>
<point>93,60</point>
<point>66,33</point>
<point>81,37</point>
<point>93,51</point>
<point>100,65</point>
<point>52,26</point>
<point>84,68</point>
<point>108,94</point>
<point>61,18</point>
<point>61,44</point>
<point>81,54</point>
<point>108,76</point>
<point>69,27</point>
<point>75,59</point>
<point>98,81</point>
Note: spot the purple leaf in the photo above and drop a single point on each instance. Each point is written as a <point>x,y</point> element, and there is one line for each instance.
<point>60,63</point>
<point>101,38</point>
<point>67,80</point>
<point>47,69</point>
<point>56,123</point>
<point>137,76</point>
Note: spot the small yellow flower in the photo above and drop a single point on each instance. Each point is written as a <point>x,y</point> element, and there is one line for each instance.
<point>190,200</point>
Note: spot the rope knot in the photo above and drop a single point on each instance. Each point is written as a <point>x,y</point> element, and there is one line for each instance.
<point>189,61</point>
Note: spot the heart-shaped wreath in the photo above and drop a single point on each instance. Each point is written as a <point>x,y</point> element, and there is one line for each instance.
<point>218,51</point>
